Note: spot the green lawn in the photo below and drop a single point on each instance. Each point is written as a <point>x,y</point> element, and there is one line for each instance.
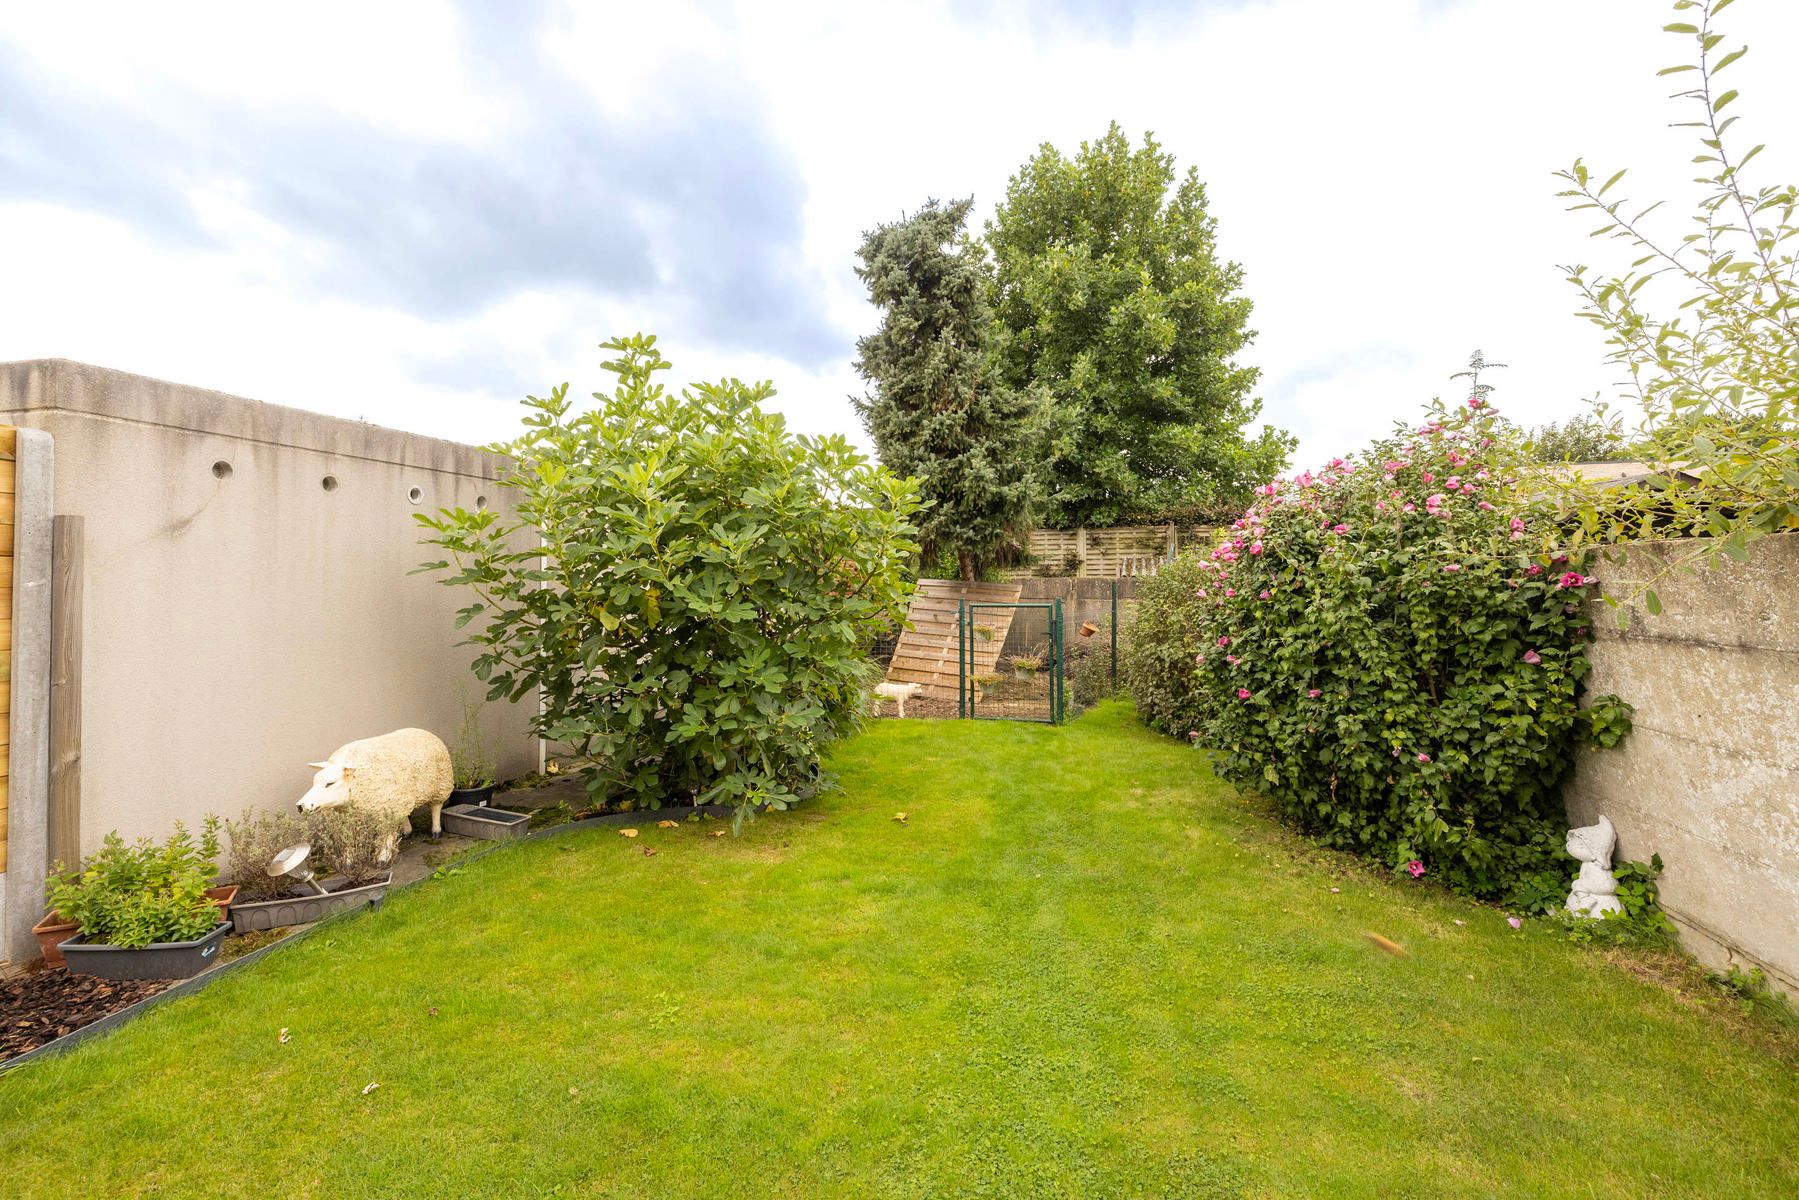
<point>1083,967</point>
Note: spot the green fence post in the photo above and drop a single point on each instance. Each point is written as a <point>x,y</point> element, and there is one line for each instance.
<point>961,675</point>
<point>1058,696</point>
<point>1114,672</point>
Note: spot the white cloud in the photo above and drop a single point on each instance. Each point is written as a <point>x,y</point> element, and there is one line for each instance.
<point>1381,169</point>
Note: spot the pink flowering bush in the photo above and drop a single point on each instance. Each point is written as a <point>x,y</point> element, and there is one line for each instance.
<point>1405,658</point>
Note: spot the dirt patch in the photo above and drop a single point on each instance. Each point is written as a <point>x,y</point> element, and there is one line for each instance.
<point>39,1008</point>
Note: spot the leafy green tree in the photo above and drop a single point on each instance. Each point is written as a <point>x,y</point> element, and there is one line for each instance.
<point>1587,438</point>
<point>1706,325</point>
<point>937,412</point>
<point>689,588</point>
<point>1110,297</point>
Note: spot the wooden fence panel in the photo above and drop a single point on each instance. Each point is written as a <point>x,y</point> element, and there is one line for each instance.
<point>1118,551</point>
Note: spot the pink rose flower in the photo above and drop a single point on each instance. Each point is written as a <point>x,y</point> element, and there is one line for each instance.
<point>1313,693</point>
<point>1339,528</point>
<point>1242,693</point>
<point>1423,758</point>
<point>1224,641</point>
<point>1255,547</point>
<point>1514,922</point>
<point>1532,657</point>
<point>1414,868</point>
<point>1428,477</point>
<point>1533,569</point>
<point>1265,594</point>
<point>1452,567</point>
<point>1572,579</point>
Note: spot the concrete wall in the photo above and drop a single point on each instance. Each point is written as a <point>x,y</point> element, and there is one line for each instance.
<point>243,615</point>
<point>1082,600</point>
<point>1709,779</point>
<point>27,723</point>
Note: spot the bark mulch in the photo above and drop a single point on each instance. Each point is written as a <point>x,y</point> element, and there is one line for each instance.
<point>41,1007</point>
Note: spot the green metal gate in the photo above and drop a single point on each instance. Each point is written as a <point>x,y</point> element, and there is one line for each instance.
<point>1010,691</point>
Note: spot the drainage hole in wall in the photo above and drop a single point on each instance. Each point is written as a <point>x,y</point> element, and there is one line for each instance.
<point>415,495</point>
<point>480,503</point>
<point>221,470</point>
<point>329,483</point>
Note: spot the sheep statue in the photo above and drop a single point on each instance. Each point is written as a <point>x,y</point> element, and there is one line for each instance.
<point>899,693</point>
<point>391,776</point>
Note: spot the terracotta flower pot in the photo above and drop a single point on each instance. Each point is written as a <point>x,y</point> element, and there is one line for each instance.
<point>51,932</point>
<point>1088,629</point>
<point>223,896</point>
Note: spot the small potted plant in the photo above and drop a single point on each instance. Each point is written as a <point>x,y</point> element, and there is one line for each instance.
<point>471,766</point>
<point>986,682</point>
<point>143,908</point>
<point>1026,665</point>
<point>342,845</point>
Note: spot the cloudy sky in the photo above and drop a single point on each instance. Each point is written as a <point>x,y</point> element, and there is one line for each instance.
<point>414,212</point>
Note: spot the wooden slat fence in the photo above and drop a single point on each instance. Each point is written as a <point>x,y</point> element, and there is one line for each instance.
<point>926,654</point>
<point>1118,551</point>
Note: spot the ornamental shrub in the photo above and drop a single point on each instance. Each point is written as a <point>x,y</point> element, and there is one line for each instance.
<point>1165,635</point>
<point>690,588</point>
<point>1391,656</point>
<point>134,895</point>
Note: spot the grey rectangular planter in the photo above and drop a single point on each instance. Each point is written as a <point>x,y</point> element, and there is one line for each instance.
<point>488,824</point>
<point>159,960</point>
<point>254,915</point>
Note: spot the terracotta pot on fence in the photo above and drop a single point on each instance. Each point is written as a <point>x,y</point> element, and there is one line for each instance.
<point>51,932</point>
<point>1088,629</point>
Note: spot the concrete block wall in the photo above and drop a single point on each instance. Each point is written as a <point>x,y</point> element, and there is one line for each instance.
<point>247,602</point>
<point>1709,778</point>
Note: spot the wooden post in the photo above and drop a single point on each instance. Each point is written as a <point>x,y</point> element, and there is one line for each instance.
<point>67,539</point>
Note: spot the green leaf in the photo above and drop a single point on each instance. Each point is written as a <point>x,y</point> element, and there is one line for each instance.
<point>1652,602</point>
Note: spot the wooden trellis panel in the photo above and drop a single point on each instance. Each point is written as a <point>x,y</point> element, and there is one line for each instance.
<point>1113,552</point>
<point>926,653</point>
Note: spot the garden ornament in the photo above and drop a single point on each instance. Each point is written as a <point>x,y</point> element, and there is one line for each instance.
<point>291,863</point>
<point>1595,888</point>
<point>391,776</point>
<point>899,693</point>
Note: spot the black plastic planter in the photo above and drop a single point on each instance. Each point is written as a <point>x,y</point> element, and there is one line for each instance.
<point>480,797</point>
<point>487,824</point>
<point>159,960</point>
<point>248,917</point>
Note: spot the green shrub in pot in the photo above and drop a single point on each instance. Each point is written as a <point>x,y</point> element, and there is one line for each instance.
<point>135,895</point>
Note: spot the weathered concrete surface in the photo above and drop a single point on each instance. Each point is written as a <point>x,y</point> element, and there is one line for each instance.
<point>242,623</point>
<point>28,764</point>
<point>1709,778</point>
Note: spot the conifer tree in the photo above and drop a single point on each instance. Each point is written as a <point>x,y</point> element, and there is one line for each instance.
<point>937,411</point>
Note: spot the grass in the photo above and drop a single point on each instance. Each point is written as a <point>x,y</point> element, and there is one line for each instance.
<point>1082,967</point>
